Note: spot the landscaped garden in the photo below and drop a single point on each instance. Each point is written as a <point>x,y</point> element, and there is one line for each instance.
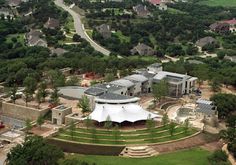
<point>194,156</point>
<point>123,137</point>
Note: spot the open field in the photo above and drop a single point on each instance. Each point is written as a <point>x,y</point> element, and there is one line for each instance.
<point>194,156</point>
<point>225,3</point>
<point>111,137</point>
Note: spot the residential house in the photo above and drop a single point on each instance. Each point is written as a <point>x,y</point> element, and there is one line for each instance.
<point>6,13</point>
<point>219,27</point>
<point>59,113</point>
<point>231,58</point>
<point>141,11</point>
<point>232,24</point>
<point>58,51</point>
<point>155,2</point>
<point>33,38</point>
<point>142,49</point>
<point>14,3</point>
<point>52,23</point>
<point>104,30</point>
<point>162,7</point>
<point>205,41</point>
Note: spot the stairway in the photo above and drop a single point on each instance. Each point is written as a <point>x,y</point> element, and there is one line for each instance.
<point>138,152</point>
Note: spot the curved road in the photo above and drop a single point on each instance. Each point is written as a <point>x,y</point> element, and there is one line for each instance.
<point>79,27</point>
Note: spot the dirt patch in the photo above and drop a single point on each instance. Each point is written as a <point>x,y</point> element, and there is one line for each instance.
<point>39,131</point>
<point>213,146</point>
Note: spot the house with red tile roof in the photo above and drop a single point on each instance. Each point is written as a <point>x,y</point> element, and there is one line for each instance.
<point>155,2</point>
<point>232,24</point>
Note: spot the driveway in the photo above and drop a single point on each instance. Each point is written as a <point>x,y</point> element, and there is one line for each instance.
<point>79,27</point>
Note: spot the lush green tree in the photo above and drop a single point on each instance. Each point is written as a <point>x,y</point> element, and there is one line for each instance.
<point>109,77</point>
<point>225,104</point>
<point>215,85</point>
<point>30,84</point>
<point>160,90</point>
<point>76,38</point>
<point>108,123</point>
<point>186,126</point>
<point>88,122</point>
<point>55,97</point>
<point>35,151</point>
<point>42,90</point>
<point>28,125</point>
<point>27,96</point>
<point>39,98</point>
<point>218,157</point>
<point>84,104</point>
<point>116,133</point>
<point>40,121</point>
<point>172,128</point>
<point>165,119</point>
<point>13,92</point>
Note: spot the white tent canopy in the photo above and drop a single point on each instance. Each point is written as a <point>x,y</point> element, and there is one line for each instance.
<point>120,112</point>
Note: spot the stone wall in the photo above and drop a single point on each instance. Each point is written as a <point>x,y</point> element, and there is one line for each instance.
<point>21,112</point>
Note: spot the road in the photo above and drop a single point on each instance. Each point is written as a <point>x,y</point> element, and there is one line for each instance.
<point>79,27</point>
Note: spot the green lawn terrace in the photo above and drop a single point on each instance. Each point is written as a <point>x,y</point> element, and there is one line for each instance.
<point>125,137</point>
<point>224,3</point>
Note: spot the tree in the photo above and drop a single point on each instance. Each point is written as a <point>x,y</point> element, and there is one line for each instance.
<point>171,128</point>
<point>88,122</point>
<point>84,104</point>
<point>108,123</point>
<point>76,38</point>
<point>13,92</point>
<point>39,98</point>
<point>165,119</point>
<point>30,84</point>
<point>160,90</point>
<point>186,126</point>
<point>219,157</point>
<point>40,121</point>
<point>94,134</point>
<point>109,77</point>
<point>28,125</point>
<point>72,128</point>
<point>150,124</point>
<point>27,96</point>
<point>55,97</point>
<point>116,133</point>
<point>215,85</point>
<point>43,91</point>
<point>34,150</point>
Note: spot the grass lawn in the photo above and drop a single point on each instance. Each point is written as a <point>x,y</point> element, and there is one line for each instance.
<point>89,32</point>
<point>195,156</point>
<point>122,37</point>
<point>19,37</point>
<point>145,58</point>
<point>160,134</point>
<point>225,3</point>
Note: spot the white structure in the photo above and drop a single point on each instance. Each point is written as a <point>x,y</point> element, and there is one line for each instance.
<point>119,109</point>
<point>162,7</point>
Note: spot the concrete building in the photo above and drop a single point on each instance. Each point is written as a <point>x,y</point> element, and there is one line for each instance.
<point>140,82</point>
<point>59,113</point>
<point>178,84</point>
<point>128,85</point>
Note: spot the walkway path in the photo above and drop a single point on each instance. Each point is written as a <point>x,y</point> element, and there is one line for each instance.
<point>79,27</point>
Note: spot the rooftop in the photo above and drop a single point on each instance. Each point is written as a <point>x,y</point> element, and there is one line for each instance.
<point>136,77</point>
<point>123,82</point>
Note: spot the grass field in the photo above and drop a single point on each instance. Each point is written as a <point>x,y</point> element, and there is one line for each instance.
<point>225,3</point>
<point>160,134</point>
<point>19,37</point>
<point>194,156</point>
